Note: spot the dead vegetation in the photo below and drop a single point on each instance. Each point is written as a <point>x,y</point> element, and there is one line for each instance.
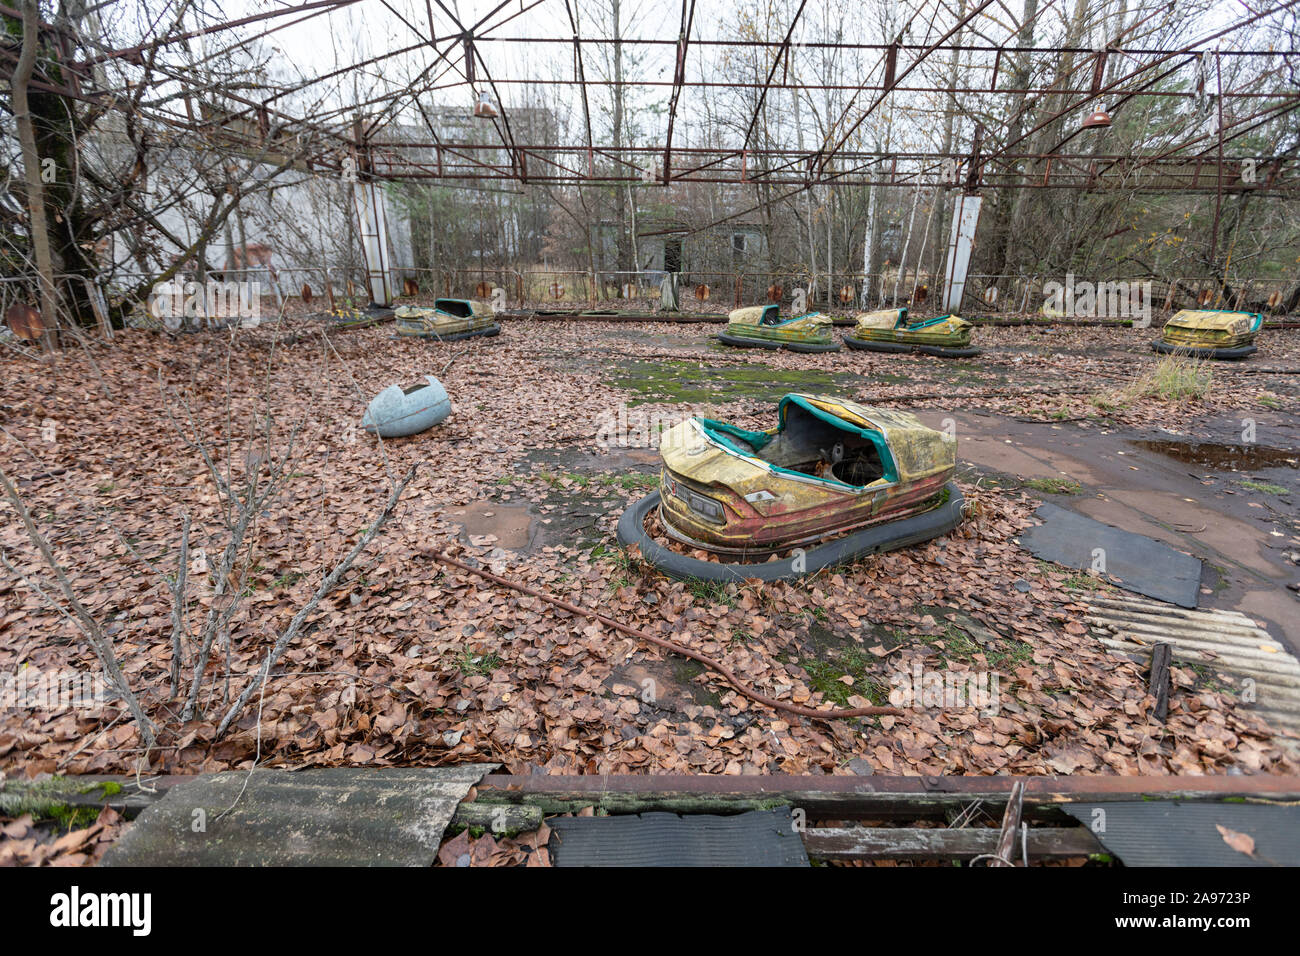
<point>400,659</point>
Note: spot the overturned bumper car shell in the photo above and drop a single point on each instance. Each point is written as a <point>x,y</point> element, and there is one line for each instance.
<point>762,327</point>
<point>448,320</point>
<point>1210,333</point>
<point>397,412</point>
<point>947,336</point>
<point>835,479</point>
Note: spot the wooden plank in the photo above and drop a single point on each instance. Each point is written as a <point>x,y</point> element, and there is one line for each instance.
<point>1158,684</point>
<point>840,797</point>
<point>1006,846</point>
<point>916,843</point>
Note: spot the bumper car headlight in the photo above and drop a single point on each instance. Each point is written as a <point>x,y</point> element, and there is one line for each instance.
<point>706,508</point>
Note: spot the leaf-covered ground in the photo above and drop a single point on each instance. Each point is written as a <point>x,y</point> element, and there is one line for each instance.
<point>412,663</point>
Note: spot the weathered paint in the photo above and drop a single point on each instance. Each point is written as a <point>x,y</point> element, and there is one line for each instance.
<point>764,323</point>
<point>397,412</point>
<point>1212,329</point>
<point>767,508</point>
<point>447,317</point>
<point>892,325</point>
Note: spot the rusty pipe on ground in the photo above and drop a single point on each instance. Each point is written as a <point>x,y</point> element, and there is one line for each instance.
<point>727,675</point>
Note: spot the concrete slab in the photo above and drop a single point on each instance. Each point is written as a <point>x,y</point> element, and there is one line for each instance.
<point>344,816</point>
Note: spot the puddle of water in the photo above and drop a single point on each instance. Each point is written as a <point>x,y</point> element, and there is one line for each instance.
<point>510,524</point>
<point>1221,456</point>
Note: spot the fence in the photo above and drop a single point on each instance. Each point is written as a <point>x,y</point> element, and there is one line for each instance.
<point>563,290</point>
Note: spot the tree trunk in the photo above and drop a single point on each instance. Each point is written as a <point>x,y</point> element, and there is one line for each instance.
<point>32,171</point>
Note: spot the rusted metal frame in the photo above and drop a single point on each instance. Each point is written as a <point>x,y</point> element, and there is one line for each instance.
<point>1218,183</point>
<point>324,6</point>
<point>397,165</point>
<point>840,87</point>
<point>710,159</point>
<point>290,123</point>
<point>286,91</point>
<point>1260,118</point>
<point>687,172</point>
<point>835,45</point>
<point>411,26</point>
<point>454,151</point>
<point>394,103</point>
<point>1172,184</point>
<point>1184,51</point>
<point>437,140</point>
<point>1127,95</point>
<point>1116,47</point>
<point>767,84</point>
<point>507,135</point>
<point>325,9</point>
<point>582,77</point>
<point>824,155</point>
<point>796,160</point>
<point>679,79</point>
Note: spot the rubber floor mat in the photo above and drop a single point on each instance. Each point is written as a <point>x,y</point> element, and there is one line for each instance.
<point>1132,561</point>
<point>1170,833</point>
<point>756,838</point>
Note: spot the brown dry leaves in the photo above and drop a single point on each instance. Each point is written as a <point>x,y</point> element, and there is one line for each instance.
<point>411,663</point>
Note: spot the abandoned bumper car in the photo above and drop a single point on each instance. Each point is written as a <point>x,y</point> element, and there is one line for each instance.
<point>834,481</point>
<point>1210,333</point>
<point>890,330</point>
<point>397,412</point>
<point>448,320</point>
<point>762,327</point>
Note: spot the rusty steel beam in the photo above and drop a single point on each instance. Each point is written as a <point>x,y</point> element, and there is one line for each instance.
<point>679,80</point>
<point>1164,56</point>
<point>767,84</point>
<point>582,79</point>
<point>824,156</point>
<point>135,52</point>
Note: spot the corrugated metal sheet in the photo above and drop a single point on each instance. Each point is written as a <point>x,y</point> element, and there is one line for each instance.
<point>1225,641</point>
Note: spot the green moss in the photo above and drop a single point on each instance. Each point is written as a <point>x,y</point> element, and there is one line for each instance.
<point>481,664</point>
<point>684,382</point>
<point>1054,486</point>
<point>49,800</point>
<point>711,592</point>
<point>1264,487</point>
<point>824,676</point>
<point>287,580</point>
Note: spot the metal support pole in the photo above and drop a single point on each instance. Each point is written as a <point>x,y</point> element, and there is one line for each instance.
<point>374,242</point>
